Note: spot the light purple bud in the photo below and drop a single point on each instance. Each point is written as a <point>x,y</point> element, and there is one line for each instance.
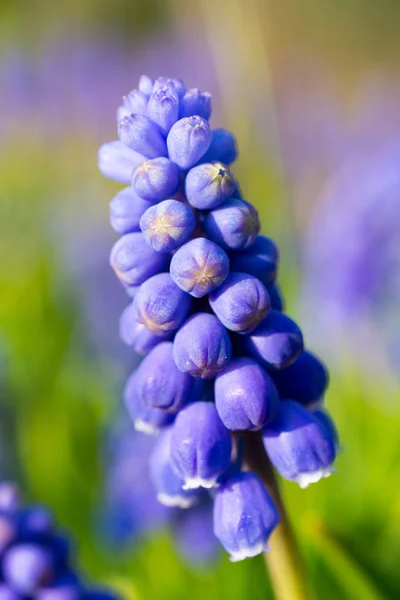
<point>202,346</point>
<point>167,483</point>
<point>135,103</point>
<point>136,335</point>
<point>299,446</point>
<point>260,260</point>
<point>199,267</point>
<point>142,135</point>
<point>209,184</point>
<point>175,84</point>
<point>145,419</point>
<point>163,107</point>
<point>222,147</point>
<point>304,381</point>
<point>195,102</point>
<point>188,140</point>
<point>134,261</point>
<point>244,516</point>
<point>116,161</point>
<point>154,180</point>
<point>234,225</point>
<point>326,421</point>
<point>161,305</point>
<point>245,395</point>
<point>9,497</point>
<point>126,209</point>
<point>276,342</point>
<point>145,85</point>
<point>27,567</point>
<point>241,302</point>
<point>167,225</point>
<point>193,532</point>
<point>201,446</point>
<point>60,591</point>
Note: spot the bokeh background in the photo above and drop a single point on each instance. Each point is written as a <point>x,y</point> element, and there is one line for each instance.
<point>311,88</point>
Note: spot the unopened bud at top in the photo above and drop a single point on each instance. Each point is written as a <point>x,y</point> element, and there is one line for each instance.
<point>188,140</point>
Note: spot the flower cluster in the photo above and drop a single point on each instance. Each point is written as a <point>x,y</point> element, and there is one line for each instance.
<point>35,558</point>
<point>220,357</point>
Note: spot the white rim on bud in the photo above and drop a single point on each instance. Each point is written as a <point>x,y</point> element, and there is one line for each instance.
<point>176,501</point>
<point>146,428</point>
<point>196,482</point>
<point>305,479</point>
<point>249,552</point>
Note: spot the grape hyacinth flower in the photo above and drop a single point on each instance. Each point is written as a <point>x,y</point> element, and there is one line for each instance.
<point>224,369</point>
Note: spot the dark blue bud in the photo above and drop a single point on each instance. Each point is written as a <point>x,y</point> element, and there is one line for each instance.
<point>275,295</point>
<point>245,395</point>
<point>195,102</point>
<point>222,147</point>
<point>188,140</point>
<point>201,446</point>
<point>161,305</point>
<point>154,180</point>
<point>209,184</point>
<point>244,516</point>
<point>202,346</point>
<point>326,421</point>
<point>126,209</point>
<point>135,103</point>
<point>298,445</point>
<point>234,225</point>
<point>134,261</point>
<point>142,135</point>
<point>167,225</point>
<point>36,522</point>
<point>138,336</point>
<point>145,419</point>
<point>163,107</point>
<point>260,260</point>
<point>199,267</point>
<point>27,567</point>
<point>241,302</point>
<point>276,342</point>
<point>304,381</point>
<point>145,85</point>
<point>118,162</point>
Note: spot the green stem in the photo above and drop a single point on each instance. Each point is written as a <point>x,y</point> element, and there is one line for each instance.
<point>284,561</point>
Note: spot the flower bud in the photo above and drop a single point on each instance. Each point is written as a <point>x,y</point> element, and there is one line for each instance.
<point>241,302</point>
<point>167,483</point>
<point>304,381</point>
<point>174,83</point>
<point>167,225</point>
<point>275,295</point>
<point>156,179</point>
<point>126,208</point>
<point>144,418</point>
<point>134,261</point>
<point>26,567</point>
<point>234,225</point>
<point>116,161</point>
<point>161,305</point>
<point>135,103</point>
<point>276,342</point>
<point>145,85</point>
<point>209,184</point>
<point>202,346</point>
<point>245,395</point>
<point>138,336</point>
<point>326,421</point>
<point>298,445</point>
<point>142,135</point>
<point>201,445</point>
<point>188,140</point>
<point>244,516</point>
<point>163,107</point>
<point>195,102</point>
<point>199,267</point>
<point>260,260</point>
<point>222,147</point>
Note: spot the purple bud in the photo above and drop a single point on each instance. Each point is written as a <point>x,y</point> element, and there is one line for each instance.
<point>136,335</point>
<point>134,261</point>
<point>145,419</point>
<point>298,445</point>
<point>304,381</point>
<point>60,590</point>
<point>27,567</point>
<point>116,161</point>
<point>176,84</point>
<point>195,102</point>
<point>326,421</point>
<point>145,85</point>
<point>156,179</point>
<point>161,305</point>
<point>201,446</point>
<point>8,531</point>
<point>135,103</point>
<point>199,267</point>
<point>160,384</point>
<point>140,134</point>
<point>275,295</point>
<point>233,225</point>
<point>245,395</point>
<point>188,141</point>
<point>126,208</point>
<point>244,516</point>
<point>276,342</point>
<point>222,147</point>
<point>36,521</point>
<point>163,107</point>
<point>167,225</point>
<point>261,260</point>
<point>241,302</point>
<point>202,346</point>
<point>167,483</point>
<point>209,184</point>
<point>193,532</point>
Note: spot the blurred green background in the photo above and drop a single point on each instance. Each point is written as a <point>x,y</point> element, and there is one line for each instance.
<point>273,68</point>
